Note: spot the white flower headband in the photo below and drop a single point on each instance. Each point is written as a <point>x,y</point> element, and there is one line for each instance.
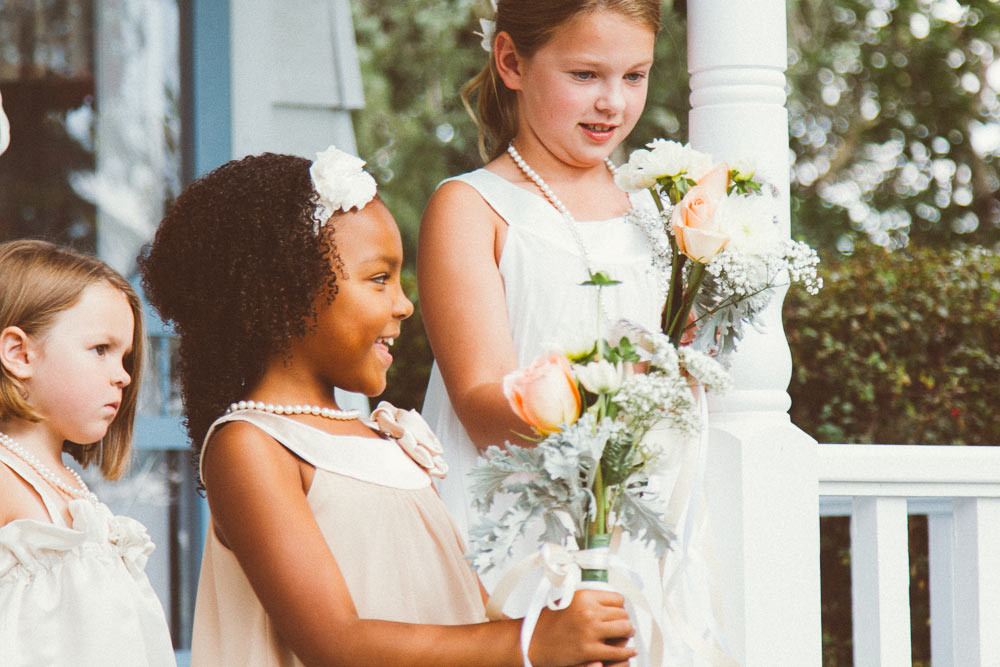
<point>489,27</point>
<point>4,128</point>
<point>341,183</point>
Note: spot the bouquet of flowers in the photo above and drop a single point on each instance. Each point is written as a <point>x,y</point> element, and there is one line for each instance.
<point>590,470</point>
<point>715,242</point>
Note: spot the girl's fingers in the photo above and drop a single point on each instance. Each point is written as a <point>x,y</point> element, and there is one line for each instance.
<point>615,630</point>
<point>616,654</point>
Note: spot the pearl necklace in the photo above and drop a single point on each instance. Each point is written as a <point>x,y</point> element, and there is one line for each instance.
<point>45,473</point>
<point>554,200</point>
<point>329,413</point>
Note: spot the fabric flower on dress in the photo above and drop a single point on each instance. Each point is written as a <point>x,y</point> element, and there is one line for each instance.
<point>412,434</point>
<point>341,182</point>
<point>132,542</point>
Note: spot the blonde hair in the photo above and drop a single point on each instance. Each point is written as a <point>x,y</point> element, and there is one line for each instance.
<point>530,24</point>
<point>38,280</point>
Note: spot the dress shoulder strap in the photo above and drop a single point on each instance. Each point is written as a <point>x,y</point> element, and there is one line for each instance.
<point>28,474</point>
<point>515,205</point>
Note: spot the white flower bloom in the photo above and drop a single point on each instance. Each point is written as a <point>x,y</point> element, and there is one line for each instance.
<point>4,129</point>
<point>744,169</point>
<point>632,176</point>
<point>663,158</point>
<point>573,344</point>
<point>670,158</point>
<point>601,376</point>
<point>705,369</point>
<point>341,182</point>
<point>749,222</point>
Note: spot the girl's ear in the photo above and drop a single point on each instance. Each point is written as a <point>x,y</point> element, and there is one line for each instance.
<point>14,353</point>
<point>508,61</point>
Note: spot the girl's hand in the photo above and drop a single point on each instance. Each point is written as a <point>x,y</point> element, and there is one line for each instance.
<point>583,633</point>
<point>689,330</point>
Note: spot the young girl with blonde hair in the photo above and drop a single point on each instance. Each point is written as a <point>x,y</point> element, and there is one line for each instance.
<point>328,544</point>
<point>72,586</point>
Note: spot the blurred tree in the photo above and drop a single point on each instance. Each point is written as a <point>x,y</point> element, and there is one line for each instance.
<point>893,112</point>
<point>895,121</point>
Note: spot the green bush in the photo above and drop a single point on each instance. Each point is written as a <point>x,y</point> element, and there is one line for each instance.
<point>899,348</point>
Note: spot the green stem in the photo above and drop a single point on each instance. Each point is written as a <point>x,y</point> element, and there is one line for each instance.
<point>676,290</point>
<point>602,347</point>
<point>679,321</point>
<point>598,526</point>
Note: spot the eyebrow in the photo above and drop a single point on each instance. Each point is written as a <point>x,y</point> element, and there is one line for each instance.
<point>391,260</point>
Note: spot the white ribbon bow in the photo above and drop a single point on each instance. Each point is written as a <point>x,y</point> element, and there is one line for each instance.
<point>561,570</point>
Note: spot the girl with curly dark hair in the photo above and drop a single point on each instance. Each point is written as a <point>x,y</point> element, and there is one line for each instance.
<point>328,543</point>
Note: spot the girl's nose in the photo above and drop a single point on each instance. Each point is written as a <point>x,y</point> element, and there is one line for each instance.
<point>612,99</point>
<point>403,307</point>
<point>122,378</point>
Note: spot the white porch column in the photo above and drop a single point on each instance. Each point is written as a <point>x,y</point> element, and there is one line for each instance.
<point>761,482</point>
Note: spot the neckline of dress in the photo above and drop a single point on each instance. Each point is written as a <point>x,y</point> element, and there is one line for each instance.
<point>539,197</point>
<point>376,435</point>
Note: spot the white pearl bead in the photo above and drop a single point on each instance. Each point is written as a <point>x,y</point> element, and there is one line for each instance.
<point>278,409</point>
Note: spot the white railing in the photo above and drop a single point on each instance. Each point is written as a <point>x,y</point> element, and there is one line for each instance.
<point>958,488</point>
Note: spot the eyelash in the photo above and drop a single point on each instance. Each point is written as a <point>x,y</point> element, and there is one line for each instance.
<point>382,278</point>
<point>631,77</point>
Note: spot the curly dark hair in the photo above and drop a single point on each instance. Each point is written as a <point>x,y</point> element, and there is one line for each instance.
<point>236,266</point>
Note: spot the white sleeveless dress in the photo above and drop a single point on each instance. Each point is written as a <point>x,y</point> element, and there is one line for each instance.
<point>542,268</point>
<point>77,595</point>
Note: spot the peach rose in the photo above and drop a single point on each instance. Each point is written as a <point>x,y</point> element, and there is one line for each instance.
<point>544,394</point>
<point>697,233</point>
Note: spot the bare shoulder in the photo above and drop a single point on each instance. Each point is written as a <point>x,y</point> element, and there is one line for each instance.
<point>458,207</point>
<point>240,450</point>
<point>18,500</point>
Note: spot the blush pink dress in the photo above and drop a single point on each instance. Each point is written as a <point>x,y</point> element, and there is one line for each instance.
<point>394,542</point>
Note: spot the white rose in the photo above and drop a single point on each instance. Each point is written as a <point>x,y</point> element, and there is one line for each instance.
<point>670,158</point>
<point>341,182</point>
<point>749,222</point>
<point>633,176</point>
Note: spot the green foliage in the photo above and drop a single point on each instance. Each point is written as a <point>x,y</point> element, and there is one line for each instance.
<point>887,97</point>
<point>900,349</point>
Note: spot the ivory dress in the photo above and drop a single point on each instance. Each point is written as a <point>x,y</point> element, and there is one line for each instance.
<point>547,308</point>
<point>542,268</point>
<point>394,542</point>
<point>77,595</point>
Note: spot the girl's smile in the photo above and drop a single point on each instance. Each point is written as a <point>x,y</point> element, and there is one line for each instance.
<point>350,346</point>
